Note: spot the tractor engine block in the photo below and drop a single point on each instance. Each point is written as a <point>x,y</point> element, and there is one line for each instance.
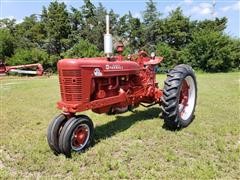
<point>105,86</point>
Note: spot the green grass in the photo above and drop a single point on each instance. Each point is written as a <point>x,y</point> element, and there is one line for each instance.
<point>131,145</point>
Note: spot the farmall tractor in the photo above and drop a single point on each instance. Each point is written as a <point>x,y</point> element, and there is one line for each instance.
<point>113,85</point>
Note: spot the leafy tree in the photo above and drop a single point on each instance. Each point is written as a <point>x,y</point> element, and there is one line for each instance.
<point>169,54</point>
<point>30,33</point>
<point>79,33</point>
<point>9,24</point>
<point>7,44</point>
<point>210,51</point>
<point>135,33</point>
<point>89,13</point>
<point>153,35</point>
<point>123,27</point>
<point>57,25</point>
<point>76,21</point>
<point>28,56</point>
<point>151,26</point>
<point>91,30</point>
<point>99,29</point>
<point>114,21</point>
<point>235,53</point>
<point>82,49</point>
<point>130,31</point>
<point>88,10</point>
<point>219,24</point>
<point>150,15</point>
<point>177,29</point>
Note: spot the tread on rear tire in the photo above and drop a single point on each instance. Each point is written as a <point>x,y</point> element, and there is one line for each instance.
<point>179,97</point>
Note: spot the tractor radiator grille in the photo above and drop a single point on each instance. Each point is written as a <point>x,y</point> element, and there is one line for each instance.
<point>71,85</point>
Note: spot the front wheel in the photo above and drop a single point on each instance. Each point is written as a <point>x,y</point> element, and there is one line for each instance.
<point>179,97</point>
<point>76,135</point>
<point>53,132</point>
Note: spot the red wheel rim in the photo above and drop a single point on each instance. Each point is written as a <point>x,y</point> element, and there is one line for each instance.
<point>80,137</point>
<point>184,95</point>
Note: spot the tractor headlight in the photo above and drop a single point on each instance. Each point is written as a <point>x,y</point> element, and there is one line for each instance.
<point>153,55</point>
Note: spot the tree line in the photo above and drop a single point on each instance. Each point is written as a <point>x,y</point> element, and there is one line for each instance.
<point>59,32</point>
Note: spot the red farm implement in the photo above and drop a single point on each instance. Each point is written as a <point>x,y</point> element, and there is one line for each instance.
<point>31,69</point>
<point>112,85</point>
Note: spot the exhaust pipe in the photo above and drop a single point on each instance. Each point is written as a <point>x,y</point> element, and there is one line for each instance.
<point>108,44</point>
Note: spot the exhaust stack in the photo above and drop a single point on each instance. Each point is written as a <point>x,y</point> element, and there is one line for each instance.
<point>108,44</point>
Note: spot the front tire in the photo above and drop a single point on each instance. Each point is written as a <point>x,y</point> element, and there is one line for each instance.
<point>179,97</point>
<point>76,135</point>
<point>53,132</point>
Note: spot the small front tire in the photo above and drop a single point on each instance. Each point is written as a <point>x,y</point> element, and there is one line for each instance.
<point>76,135</point>
<point>53,132</point>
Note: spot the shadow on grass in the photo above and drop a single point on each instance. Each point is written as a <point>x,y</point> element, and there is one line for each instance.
<point>124,122</point>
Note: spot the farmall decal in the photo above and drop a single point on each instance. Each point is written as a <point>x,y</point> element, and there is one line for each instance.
<point>113,67</point>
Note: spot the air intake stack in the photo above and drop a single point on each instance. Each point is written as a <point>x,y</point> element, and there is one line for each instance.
<point>108,44</point>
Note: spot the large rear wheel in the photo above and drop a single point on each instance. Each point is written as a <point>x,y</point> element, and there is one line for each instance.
<point>179,97</point>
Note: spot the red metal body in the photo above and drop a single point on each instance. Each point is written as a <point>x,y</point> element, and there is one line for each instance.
<point>116,84</point>
<point>107,85</point>
<point>22,69</point>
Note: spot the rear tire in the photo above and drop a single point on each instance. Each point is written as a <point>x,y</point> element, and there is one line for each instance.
<point>179,97</point>
<point>53,132</point>
<point>76,135</point>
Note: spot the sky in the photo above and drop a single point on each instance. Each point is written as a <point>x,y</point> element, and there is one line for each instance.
<point>195,9</point>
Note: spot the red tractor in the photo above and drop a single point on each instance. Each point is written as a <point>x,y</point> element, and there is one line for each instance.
<point>113,85</point>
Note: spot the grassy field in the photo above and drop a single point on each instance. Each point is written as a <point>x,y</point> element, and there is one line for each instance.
<point>132,145</point>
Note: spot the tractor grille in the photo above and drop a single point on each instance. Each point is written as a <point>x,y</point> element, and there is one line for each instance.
<point>71,85</point>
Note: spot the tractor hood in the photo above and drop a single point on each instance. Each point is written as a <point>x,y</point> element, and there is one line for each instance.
<point>100,64</point>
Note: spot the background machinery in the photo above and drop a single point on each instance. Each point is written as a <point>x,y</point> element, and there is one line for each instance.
<point>31,69</point>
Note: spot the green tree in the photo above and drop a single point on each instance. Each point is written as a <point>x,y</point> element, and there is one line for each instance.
<point>30,33</point>
<point>219,24</point>
<point>177,29</point>
<point>130,31</point>
<point>235,53</point>
<point>123,27</point>
<point>99,29</point>
<point>90,30</point>
<point>9,24</point>
<point>7,44</point>
<point>89,15</point>
<point>94,23</point>
<point>210,51</point>
<point>135,33</point>
<point>28,56</point>
<point>151,14</point>
<point>76,21</point>
<point>169,54</point>
<point>57,25</point>
<point>88,10</point>
<point>82,49</point>
<point>151,26</point>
